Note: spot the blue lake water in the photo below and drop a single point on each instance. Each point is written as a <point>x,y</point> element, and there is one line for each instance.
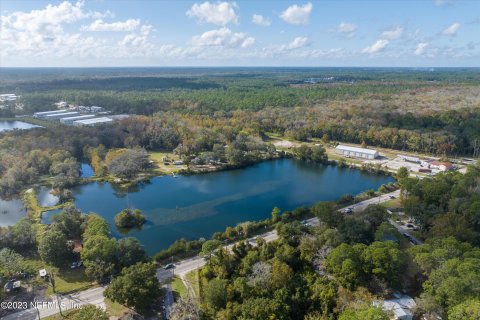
<point>11,211</point>
<point>6,125</point>
<point>198,205</point>
<point>86,171</point>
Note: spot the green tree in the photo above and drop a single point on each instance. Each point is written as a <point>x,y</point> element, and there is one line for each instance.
<point>90,312</point>
<point>96,225</point>
<point>209,247</point>
<point>375,214</point>
<point>467,310</point>
<point>54,249</point>
<point>69,222</point>
<point>384,260</point>
<point>10,262</point>
<point>136,287</point>
<point>130,251</point>
<point>326,213</point>
<point>275,214</point>
<point>346,264</point>
<point>216,294</point>
<point>99,255</point>
<point>364,313</point>
<point>129,218</point>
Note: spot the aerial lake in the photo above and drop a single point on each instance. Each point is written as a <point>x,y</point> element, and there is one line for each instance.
<point>198,205</point>
<point>6,125</point>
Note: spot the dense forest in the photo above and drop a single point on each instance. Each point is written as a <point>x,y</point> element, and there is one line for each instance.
<point>335,270</point>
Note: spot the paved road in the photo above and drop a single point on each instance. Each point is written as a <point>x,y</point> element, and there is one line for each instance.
<point>167,299</point>
<point>95,296</point>
<point>405,231</point>
<point>91,296</point>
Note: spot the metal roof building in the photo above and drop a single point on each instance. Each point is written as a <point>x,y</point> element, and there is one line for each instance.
<point>92,122</point>
<point>70,120</point>
<point>45,113</point>
<point>57,116</point>
<point>357,152</point>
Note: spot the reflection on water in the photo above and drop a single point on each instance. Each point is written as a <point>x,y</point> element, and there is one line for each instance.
<point>7,125</point>
<point>46,198</point>
<point>198,205</point>
<point>11,211</point>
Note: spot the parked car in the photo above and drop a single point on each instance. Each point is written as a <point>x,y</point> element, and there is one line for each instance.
<point>348,210</point>
<point>169,266</point>
<point>409,225</point>
<point>392,197</point>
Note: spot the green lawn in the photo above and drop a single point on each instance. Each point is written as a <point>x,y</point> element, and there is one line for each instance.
<point>160,167</point>
<point>178,288</point>
<point>393,203</point>
<point>115,309</point>
<point>70,280</point>
<point>192,278</point>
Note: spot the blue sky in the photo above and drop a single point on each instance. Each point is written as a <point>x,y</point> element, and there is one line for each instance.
<point>412,33</point>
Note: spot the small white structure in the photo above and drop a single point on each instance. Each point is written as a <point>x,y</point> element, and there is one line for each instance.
<point>356,152</point>
<point>58,116</point>
<point>409,158</point>
<point>45,113</point>
<point>442,166</point>
<point>92,122</point>
<point>8,97</point>
<point>401,306</point>
<point>42,273</point>
<point>69,121</point>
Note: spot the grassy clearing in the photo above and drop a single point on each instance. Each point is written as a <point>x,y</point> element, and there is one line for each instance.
<point>70,280</point>
<point>160,167</point>
<point>178,288</point>
<point>115,309</point>
<point>393,203</point>
<point>193,278</point>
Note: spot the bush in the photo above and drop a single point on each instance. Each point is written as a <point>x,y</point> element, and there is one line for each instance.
<point>129,218</point>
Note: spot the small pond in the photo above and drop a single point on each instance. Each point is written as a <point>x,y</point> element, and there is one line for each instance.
<point>7,125</point>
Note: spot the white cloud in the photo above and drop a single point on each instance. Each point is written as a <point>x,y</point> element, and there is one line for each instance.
<point>296,43</point>
<point>138,39</point>
<point>223,37</point>
<point>392,34</point>
<point>100,25</point>
<point>220,13</point>
<point>421,47</point>
<point>260,20</point>
<point>451,30</point>
<point>297,14</point>
<point>376,47</point>
<point>346,28</point>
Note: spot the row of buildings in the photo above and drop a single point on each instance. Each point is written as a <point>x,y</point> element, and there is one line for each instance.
<point>73,118</point>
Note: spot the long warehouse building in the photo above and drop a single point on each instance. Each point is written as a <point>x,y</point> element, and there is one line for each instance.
<point>69,121</point>
<point>42,114</point>
<point>58,116</point>
<point>92,122</point>
<point>357,152</point>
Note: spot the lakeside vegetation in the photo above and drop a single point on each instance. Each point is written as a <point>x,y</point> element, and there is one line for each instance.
<point>215,122</point>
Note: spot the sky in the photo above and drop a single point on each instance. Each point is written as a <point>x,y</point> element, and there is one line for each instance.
<point>105,33</point>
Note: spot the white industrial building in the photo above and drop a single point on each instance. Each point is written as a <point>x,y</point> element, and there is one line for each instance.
<point>356,152</point>
<point>8,97</point>
<point>92,122</point>
<point>401,307</point>
<point>69,120</point>
<point>42,114</point>
<point>58,116</point>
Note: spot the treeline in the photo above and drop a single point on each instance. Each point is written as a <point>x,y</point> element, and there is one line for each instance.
<point>446,205</point>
